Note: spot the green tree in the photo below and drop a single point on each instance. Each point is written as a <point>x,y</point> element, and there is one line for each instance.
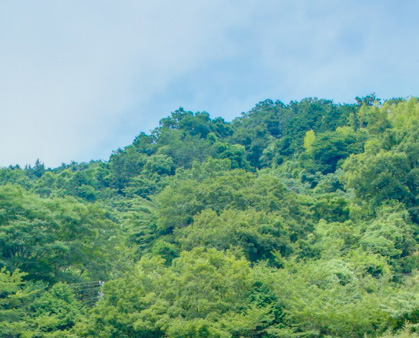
<point>203,293</point>
<point>308,140</point>
<point>28,310</point>
<point>257,233</point>
<point>54,239</point>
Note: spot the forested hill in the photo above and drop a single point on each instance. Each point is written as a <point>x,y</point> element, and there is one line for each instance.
<point>293,220</point>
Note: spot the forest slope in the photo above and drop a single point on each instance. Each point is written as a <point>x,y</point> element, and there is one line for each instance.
<point>298,220</point>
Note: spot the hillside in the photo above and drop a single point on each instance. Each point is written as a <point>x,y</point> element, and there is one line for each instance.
<point>293,220</point>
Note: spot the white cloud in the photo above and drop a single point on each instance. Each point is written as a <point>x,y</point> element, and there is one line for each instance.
<point>69,73</point>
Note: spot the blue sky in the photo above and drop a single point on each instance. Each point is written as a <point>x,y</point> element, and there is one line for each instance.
<point>79,79</point>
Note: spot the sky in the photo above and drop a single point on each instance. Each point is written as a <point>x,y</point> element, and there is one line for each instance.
<point>80,79</point>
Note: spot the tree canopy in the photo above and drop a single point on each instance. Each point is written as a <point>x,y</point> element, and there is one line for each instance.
<point>293,220</point>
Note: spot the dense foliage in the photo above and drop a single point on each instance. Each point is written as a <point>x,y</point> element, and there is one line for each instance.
<point>298,220</point>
